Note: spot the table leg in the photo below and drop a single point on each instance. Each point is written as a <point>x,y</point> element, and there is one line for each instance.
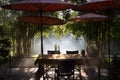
<point>80,73</point>
<point>40,72</point>
<point>99,73</point>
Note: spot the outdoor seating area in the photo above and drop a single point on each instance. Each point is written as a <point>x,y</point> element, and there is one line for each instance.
<point>59,40</point>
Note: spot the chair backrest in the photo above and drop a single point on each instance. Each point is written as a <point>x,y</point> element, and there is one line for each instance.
<point>72,52</point>
<point>53,52</point>
<point>83,53</point>
<point>65,66</point>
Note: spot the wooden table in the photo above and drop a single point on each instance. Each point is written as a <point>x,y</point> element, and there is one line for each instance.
<point>54,58</point>
<point>79,60</point>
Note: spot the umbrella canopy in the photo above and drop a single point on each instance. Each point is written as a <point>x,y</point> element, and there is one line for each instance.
<point>44,20</point>
<point>98,5</point>
<point>39,5</point>
<point>89,17</point>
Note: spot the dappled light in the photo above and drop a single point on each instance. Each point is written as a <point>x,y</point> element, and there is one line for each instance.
<point>61,56</point>
<point>37,38</point>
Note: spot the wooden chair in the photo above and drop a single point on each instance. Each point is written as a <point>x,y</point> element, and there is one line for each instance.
<point>65,69</point>
<point>77,68</point>
<point>51,67</point>
<point>53,52</point>
<point>72,52</point>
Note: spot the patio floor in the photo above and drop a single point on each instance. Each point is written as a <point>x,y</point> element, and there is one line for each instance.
<point>25,70</point>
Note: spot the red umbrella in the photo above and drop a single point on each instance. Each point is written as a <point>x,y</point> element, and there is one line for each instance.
<point>39,5</point>
<point>42,20</point>
<point>45,20</point>
<point>89,17</point>
<point>98,5</point>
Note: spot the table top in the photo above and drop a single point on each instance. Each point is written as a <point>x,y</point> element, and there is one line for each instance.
<point>54,58</point>
<point>60,56</point>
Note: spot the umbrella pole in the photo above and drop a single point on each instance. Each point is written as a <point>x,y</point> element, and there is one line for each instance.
<point>41,32</point>
<point>41,40</point>
<point>109,54</point>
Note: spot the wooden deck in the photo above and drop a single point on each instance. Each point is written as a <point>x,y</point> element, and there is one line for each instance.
<point>25,70</point>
